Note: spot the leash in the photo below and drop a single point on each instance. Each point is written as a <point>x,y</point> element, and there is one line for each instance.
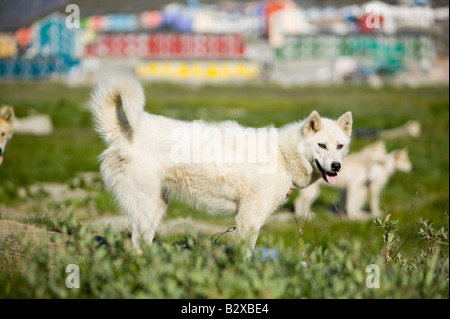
<point>212,237</point>
<point>229,230</point>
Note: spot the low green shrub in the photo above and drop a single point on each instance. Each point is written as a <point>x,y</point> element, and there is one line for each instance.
<point>108,267</point>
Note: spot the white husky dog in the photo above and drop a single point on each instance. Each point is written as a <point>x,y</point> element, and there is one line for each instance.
<point>222,167</point>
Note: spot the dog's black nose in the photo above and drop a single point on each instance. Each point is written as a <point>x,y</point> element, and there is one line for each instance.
<point>335,166</point>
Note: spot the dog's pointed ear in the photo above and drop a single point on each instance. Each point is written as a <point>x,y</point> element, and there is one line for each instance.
<point>345,122</point>
<point>8,114</point>
<point>402,152</point>
<point>379,146</point>
<point>312,124</point>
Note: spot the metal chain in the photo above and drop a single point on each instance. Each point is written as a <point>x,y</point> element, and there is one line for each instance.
<point>229,230</point>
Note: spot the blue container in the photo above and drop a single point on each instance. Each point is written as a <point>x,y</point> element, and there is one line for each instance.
<point>36,69</point>
<point>122,22</point>
<point>266,254</point>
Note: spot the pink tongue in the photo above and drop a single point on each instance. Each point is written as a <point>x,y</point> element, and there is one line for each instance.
<point>331,179</point>
<point>1,160</point>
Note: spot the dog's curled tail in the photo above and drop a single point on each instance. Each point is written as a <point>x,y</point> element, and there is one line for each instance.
<point>107,100</point>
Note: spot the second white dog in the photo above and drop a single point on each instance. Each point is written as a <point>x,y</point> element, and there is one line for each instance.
<point>366,173</point>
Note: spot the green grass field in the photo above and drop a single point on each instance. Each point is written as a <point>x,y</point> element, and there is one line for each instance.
<point>321,258</point>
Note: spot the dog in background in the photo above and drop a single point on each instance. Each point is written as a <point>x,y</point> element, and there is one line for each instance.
<point>366,173</point>
<point>6,128</point>
<point>380,173</point>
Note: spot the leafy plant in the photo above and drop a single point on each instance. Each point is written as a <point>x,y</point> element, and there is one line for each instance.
<point>110,268</point>
<point>435,238</point>
<point>390,236</point>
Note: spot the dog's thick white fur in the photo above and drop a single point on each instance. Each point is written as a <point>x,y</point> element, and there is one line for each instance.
<point>365,173</point>
<point>140,167</point>
<point>6,128</point>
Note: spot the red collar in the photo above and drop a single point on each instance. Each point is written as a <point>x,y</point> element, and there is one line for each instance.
<point>289,193</point>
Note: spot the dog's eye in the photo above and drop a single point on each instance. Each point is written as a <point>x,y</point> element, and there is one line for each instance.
<point>3,133</point>
<point>322,146</point>
<point>340,146</point>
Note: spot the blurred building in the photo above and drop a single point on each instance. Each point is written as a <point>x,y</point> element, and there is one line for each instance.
<point>282,41</point>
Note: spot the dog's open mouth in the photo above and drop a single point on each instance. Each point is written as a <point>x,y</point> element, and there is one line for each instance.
<point>1,160</point>
<point>330,177</point>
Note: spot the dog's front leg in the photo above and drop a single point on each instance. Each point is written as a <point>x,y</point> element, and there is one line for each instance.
<point>305,199</point>
<point>247,236</point>
<point>249,221</point>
